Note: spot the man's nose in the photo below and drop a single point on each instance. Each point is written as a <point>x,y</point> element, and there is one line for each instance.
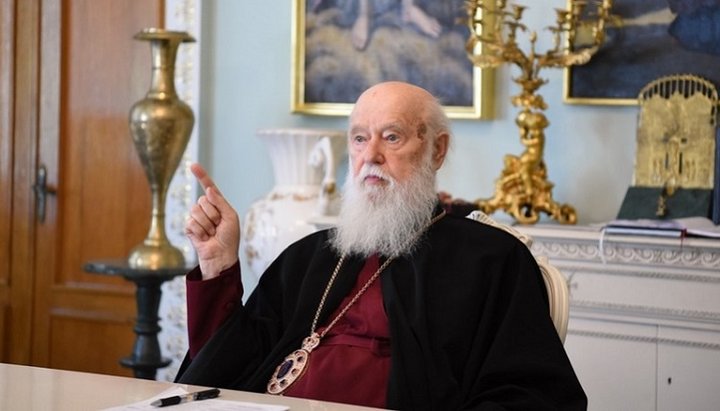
<point>373,152</point>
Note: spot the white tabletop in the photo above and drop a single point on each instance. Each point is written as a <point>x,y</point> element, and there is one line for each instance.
<point>33,388</point>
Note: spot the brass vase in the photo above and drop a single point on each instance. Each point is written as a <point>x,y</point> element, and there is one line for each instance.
<point>160,125</point>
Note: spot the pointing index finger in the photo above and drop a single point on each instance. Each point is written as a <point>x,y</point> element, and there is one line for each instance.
<point>202,176</point>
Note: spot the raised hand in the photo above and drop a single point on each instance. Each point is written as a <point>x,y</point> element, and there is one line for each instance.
<point>213,228</point>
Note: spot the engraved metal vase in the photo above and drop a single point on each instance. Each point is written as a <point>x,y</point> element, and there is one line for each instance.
<point>160,125</point>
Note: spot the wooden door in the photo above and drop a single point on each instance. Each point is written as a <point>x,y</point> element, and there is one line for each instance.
<point>78,72</point>
<point>7,47</point>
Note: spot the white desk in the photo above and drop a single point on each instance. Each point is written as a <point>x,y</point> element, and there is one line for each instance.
<point>32,388</point>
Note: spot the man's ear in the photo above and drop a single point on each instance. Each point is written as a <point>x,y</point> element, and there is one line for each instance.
<point>440,148</point>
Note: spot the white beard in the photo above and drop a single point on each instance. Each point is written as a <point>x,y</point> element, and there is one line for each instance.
<point>385,219</point>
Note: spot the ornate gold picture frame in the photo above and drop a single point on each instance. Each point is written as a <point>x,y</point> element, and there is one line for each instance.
<point>639,48</point>
<point>339,51</point>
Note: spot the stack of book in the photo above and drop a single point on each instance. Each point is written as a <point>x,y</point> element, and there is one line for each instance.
<point>680,227</point>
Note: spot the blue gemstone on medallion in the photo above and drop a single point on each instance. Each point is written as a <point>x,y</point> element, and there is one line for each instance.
<point>284,368</point>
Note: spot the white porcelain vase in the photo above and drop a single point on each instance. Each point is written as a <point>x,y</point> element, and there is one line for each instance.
<point>304,164</point>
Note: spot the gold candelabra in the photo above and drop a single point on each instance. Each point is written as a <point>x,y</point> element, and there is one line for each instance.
<point>522,190</point>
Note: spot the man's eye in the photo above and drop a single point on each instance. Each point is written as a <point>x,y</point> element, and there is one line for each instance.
<point>359,139</point>
<point>392,138</point>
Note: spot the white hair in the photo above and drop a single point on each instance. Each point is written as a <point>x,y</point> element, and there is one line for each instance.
<point>385,219</point>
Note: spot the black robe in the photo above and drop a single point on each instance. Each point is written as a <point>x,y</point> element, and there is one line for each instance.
<point>468,316</point>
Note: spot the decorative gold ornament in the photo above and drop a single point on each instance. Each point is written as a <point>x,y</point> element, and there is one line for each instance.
<point>676,136</point>
<point>522,190</point>
<point>160,125</point>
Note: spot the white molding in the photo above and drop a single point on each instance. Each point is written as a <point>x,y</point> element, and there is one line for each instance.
<point>181,15</point>
<point>672,253</point>
<point>700,277</point>
<point>645,339</point>
<point>646,311</point>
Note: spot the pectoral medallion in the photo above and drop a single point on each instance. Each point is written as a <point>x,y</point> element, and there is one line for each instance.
<point>293,366</point>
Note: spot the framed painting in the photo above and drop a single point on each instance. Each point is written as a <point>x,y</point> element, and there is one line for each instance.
<point>649,39</point>
<point>342,47</point>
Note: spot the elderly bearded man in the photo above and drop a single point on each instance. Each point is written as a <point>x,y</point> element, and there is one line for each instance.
<point>400,306</point>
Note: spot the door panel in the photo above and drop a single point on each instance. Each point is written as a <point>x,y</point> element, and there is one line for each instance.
<point>19,84</point>
<point>103,200</point>
<point>7,39</point>
<point>99,347</point>
<point>71,116</point>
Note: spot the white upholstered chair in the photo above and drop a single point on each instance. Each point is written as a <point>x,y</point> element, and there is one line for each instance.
<point>555,282</point>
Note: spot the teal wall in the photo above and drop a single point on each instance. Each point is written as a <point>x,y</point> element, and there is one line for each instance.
<point>246,81</point>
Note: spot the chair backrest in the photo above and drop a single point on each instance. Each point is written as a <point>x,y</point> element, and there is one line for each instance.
<point>555,281</point>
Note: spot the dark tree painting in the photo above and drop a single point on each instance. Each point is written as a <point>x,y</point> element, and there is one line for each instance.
<point>655,38</point>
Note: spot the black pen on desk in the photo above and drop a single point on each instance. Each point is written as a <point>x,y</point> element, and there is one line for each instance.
<point>193,396</point>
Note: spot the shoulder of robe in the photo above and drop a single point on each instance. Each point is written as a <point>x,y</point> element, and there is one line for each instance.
<point>314,241</point>
<point>463,230</point>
